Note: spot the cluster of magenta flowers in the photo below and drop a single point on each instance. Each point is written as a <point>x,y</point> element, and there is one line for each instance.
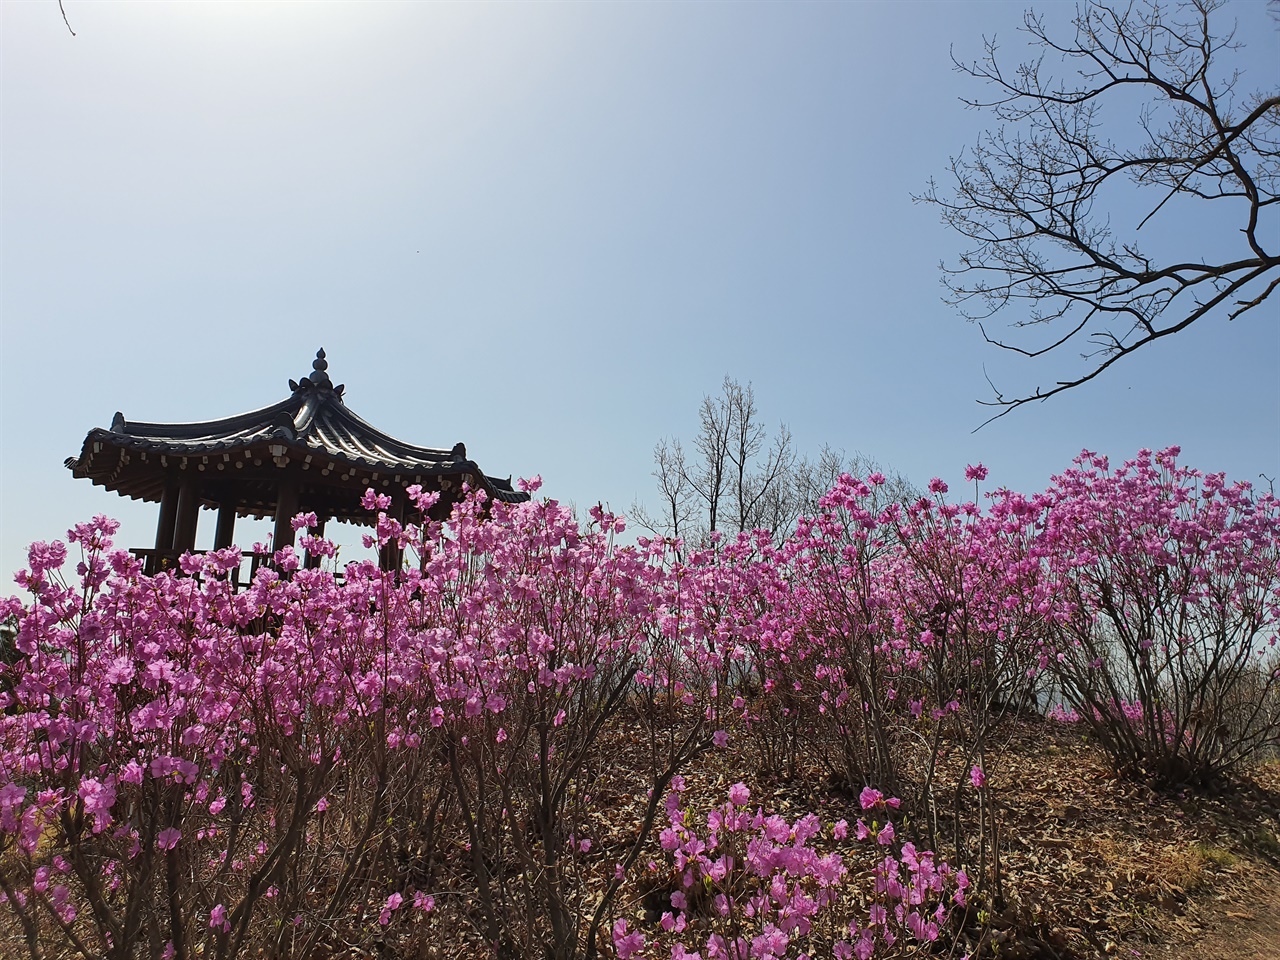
<point>754,887</point>
<point>190,769</point>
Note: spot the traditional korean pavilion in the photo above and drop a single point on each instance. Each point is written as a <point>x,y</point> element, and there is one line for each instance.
<point>309,452</point>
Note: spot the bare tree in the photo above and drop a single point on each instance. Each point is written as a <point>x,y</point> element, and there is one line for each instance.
<point>741,478</point>
<point>1037,195</point>
<point>757,464</point>
<point>813,479</point>
<point>729,482</point>
<point>678,508</point>
<point>710,477</point>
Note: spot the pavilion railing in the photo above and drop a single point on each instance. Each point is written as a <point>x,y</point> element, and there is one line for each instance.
<point>159,561</point>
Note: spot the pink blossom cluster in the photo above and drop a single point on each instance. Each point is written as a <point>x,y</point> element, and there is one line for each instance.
<point>169,739</point>
<point>754,886</point>
<point>185,763</point>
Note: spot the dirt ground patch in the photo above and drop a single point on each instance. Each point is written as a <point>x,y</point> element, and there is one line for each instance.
<point>1242,930</point>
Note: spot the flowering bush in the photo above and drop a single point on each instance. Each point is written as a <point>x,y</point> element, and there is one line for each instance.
<point>896,639</point>
<point>1165,639</point>
<point>187,768</point>
<point>199,769</point>
<point>754,886</point>
<point>193,764</point>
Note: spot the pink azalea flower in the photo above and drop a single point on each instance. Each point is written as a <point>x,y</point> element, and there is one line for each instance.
<point>626,944</point>
<point>870,797</point>
<point>168,838</point>
<point>218,919</point>
<point>390,907</point>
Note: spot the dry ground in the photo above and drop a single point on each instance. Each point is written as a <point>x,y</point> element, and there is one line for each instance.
<point>1094,866</point>
<point>1124,870</point>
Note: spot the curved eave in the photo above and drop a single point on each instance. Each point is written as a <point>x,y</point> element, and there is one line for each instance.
<point>337,415</point>
<point>226,429</point>
<point>339,455</point>
<point>138,466</point>
<point>317,420</point>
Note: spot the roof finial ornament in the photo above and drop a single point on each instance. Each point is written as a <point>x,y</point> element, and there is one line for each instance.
<point>319,367</point>
<point>319,378</point>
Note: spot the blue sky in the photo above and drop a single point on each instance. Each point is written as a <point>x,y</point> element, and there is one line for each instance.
<point>545,230</point>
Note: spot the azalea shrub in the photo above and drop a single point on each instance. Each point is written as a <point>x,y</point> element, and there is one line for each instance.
<point>193,770</point>
<point>752,885</point>
<point>493,742</point>
<point>897,644</point>
<point>1164,642</point>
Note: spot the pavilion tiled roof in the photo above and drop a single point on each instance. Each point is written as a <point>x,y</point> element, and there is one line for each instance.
<point>312,427</point>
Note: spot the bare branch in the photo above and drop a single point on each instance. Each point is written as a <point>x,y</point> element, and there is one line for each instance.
<point>64,18</point>
<point>1033,193</point>
<point>741,478</point>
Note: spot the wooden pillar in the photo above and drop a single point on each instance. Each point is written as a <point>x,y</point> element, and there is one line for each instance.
<point>168,514</point>
<point>184,530</point>
<point>317,531</point>
<point>390,556</point>
<point>286,507</point>
<point>226,531</point>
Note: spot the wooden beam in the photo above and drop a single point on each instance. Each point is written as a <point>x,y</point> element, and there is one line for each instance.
<point>391,556</point>
<point>286,507</point>
<point>313,562</point>
<point>225,534</point>
<point>184,531</point>
<point>168,515</point>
